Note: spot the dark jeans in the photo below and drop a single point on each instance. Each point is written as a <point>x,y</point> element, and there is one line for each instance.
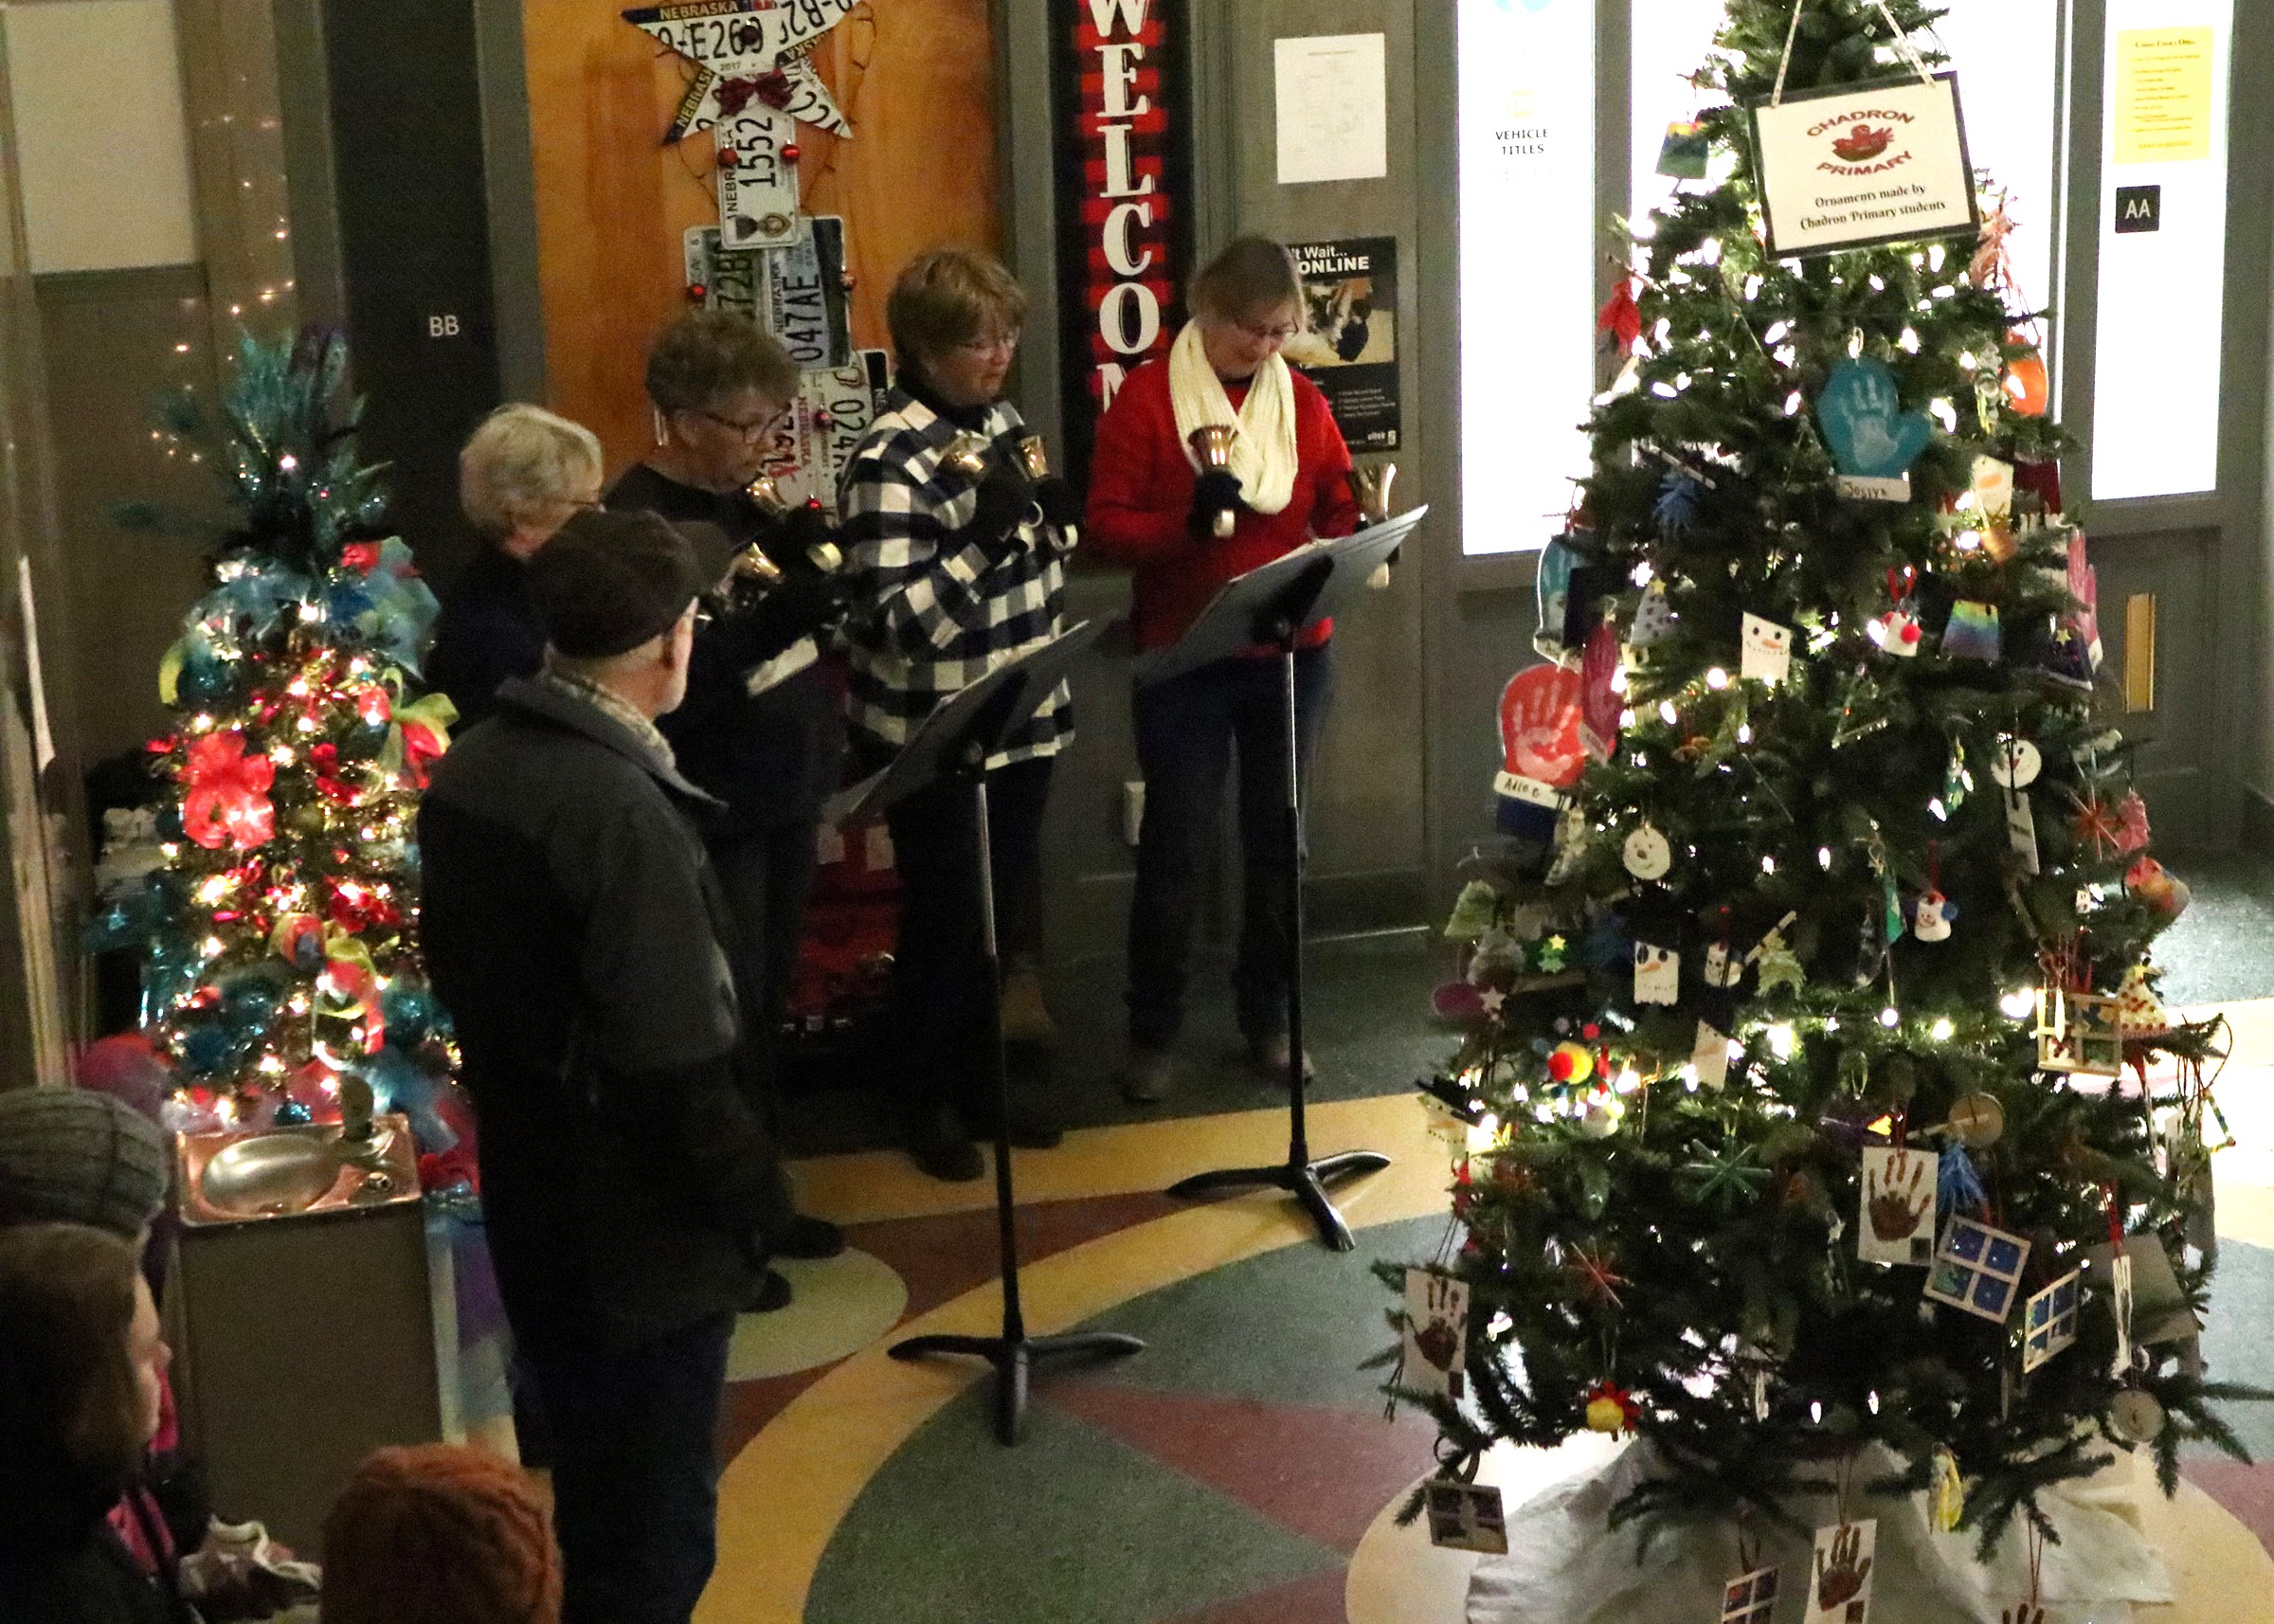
<point>767,875</point>
<point>1187,729</point>
<point>941,1011</point>
<point>635,1471</point>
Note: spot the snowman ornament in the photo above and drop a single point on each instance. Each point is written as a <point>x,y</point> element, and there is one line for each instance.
<point>1657,974</point>
<point>1722,968</point>
<point>1931,918</point>
<point>1645,854</point>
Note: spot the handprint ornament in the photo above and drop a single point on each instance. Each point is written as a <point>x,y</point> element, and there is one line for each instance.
<point>1842,1590</point>
<point>1873,442</point>
<point>1897,1206</point>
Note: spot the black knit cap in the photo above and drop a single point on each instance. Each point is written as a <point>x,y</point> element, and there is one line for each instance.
<point>608,582</point>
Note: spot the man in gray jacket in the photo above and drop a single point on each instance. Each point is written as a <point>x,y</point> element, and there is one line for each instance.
<point>574,930</point>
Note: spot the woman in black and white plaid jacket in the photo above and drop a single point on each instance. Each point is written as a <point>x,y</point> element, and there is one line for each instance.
<point>952,573</point>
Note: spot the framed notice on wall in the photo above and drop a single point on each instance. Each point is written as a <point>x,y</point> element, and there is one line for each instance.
<point>1856,165</point>
<point>1349,348</point>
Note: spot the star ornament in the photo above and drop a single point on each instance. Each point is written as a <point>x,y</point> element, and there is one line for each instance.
<point>1598,1281</point>
<point>751,59</point>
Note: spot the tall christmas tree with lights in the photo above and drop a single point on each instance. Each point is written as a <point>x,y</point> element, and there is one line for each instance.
<point>1812,1044</point>
<point>280,962</point>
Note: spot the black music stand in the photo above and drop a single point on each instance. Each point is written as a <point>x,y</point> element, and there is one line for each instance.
<point>1275,606</point>
<point>954,743</point>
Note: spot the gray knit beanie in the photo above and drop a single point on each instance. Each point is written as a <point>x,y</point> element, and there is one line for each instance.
<point>68,1156</point>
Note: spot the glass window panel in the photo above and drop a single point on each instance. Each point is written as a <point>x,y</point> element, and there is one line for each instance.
<point>1527,265</point>
<point>2006,55</point>
<point>2163,248</point>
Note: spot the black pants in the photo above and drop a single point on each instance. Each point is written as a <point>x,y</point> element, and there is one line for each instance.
<point>635,1471</point>
<point>767,875</point>
<point>940,1010</point>
<point>1187,730</point>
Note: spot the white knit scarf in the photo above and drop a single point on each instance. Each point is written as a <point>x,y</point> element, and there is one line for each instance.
<point>1263,449</point>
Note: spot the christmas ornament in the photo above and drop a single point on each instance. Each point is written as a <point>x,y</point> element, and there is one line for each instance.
<point>1977,1121</point>
<point>1601,1118</point>
<point>1600,703</point>
<point>1897,630</point>
<point>1843,1554</point>
<point>1977,1269</point>
<point>1653,617</point>
<point>1972,632</point>
<point>2049,1321</point>
<point>2028,388</point>
<point>1558,563</point>
<point>1611,1407</point>
<point>1709,1057</point>
<point>2014,764</point>
<point>2156,886</point>
<point>1766,651</point>
<point>1751,1597</point>
<point>1620,319</point>
<point>1677,507</point>
<point>2135,1415</point>
<point>1723,970</point>
<point>1897,1206</point>
<point>1598,1281</point>
<point>1946,1491</point>
<point>1657,974</point>
<point>1932,915</point>
<point>1541,753</point>
<point>2021,831</point>
<point>227,800</point>
<point>1645,854</point>
<point>1435,1334</point>
<point>1780,966</point>
<point>2139,1012</point>
<point>1686,150</point>
<point>1569,1062</point>
<point>1873,442</point>
<point>1465,1517</point>
<point>2078,1031</point>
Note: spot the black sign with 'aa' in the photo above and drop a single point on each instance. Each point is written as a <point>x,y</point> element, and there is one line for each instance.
<point>2138,209</point>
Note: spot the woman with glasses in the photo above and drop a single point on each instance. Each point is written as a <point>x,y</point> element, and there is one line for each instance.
<point>955,570</point>
<point>523,473</point>
<point>759,728</point>
<point>1155,508</point>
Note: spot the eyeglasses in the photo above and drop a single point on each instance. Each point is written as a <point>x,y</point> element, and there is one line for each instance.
<point>988,345</point>
<point>1268,335</point>
<point>756,429</point>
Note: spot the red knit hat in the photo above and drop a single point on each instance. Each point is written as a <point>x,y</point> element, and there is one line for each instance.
<point>436,1534</point>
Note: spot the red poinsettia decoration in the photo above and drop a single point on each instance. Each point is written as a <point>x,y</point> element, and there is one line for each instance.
<point>227,801</point>
<point>360,556</point>
<point>324,758</point>
<point>1620,319</point>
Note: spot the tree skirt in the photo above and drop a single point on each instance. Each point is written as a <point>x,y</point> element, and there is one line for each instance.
<point>1566,1564</point>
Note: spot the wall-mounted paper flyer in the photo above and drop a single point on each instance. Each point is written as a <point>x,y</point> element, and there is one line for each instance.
<point>1333,107</point>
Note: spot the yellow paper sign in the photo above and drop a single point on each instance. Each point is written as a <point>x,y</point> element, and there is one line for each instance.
<point>2163,95</point>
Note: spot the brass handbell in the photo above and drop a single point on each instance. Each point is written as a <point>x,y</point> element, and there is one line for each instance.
<point>1371,487</point>
<point>1212,443</point>
<point>967,455</point>
<point>1035,457</point>
<point>766,495</point>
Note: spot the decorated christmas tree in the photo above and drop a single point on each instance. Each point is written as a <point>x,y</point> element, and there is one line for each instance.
<point>277,926</point>
<point>1812,1042</point>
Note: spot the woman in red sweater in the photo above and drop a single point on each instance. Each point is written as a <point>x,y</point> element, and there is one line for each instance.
<point>1153,508</point>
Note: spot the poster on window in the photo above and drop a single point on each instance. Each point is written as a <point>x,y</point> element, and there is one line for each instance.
<point>1857,165</point>
<point>1351,347</point>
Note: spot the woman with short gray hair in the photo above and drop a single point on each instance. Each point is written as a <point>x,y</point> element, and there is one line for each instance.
<point>523,472</point>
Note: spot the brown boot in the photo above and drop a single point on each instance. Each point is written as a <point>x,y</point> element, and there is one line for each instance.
<point>1025,1017</point>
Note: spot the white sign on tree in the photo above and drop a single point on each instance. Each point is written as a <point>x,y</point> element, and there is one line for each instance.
<point>1885,163</point>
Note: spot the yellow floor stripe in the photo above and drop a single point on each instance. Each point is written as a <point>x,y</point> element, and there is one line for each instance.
<point>783,1497</point>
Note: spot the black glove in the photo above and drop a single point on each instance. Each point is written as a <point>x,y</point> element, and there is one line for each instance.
<point>806,601</point>
<point>1007,500</point>
<point>1217,491</point>
<point>1061,506</point>
<point>802,529</point>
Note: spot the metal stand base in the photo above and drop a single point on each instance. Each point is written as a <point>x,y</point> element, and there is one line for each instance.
<point>1304,1180</point>
<point>1014,1358</point>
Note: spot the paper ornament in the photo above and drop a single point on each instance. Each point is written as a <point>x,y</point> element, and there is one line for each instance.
<point>1600,703</point>
<point>1645,854</point>
<point>2135,1415</point>
<point>1873,442</point>
<point>1657,974</point>
<point>1897,632</point>
<point>1541,753</point>
<point>2078,1031</point>
<point>1977,1269</point>
<point>1841,1592</point>
<point>2021,831</point>
<point>1465,1517</point>
<point>1653,617</point>
<point>1685,151</point>
<point>1709,1057</point>
<point>1723,968</point>
<point>1977,1121</point>
<point>2156,886</point>
<point>1972,632</point>
<point>1750,1597</point>
<point>1765,650</point>
<point>2049,1321</point>
<point>1435,1334</point>
<point>1898,1199</point>
<point>1552,596</point>
<point>2139,1012</point>
<point>2014,764</point>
